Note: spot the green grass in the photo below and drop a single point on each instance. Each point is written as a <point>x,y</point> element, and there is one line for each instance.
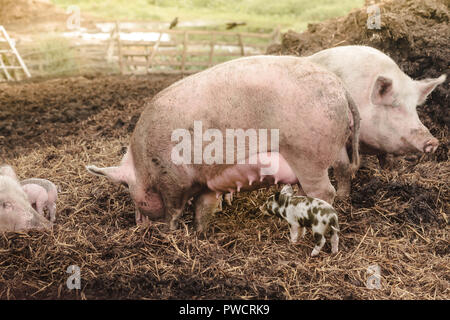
<point>58,58</point>
<point>260,15</point>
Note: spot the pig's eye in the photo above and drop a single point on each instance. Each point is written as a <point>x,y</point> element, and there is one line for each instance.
<point>124,184</point>
<point>7,205</point>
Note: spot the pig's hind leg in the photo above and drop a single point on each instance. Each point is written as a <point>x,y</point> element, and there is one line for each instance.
<point>334,241</point>
<point>312,175</point>
<point>317,184</point>
<point>342,173</point>
<point>319,238</point>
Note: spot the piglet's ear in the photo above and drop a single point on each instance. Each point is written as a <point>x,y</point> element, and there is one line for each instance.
<point>427,86</point>
<point>383,91</point>
<point>115,174</point>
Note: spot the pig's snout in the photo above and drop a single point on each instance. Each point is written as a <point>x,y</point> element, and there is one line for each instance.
<point>431,145</point>
<point>420,140</point>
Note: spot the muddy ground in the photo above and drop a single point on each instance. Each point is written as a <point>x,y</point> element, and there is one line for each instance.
<point>396,218</point>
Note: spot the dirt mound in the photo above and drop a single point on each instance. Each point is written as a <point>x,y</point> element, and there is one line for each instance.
<point>415,33</point>
<point>25,12</point>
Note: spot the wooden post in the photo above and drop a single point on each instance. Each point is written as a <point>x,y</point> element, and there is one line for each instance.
<point>183,57</point>
<point>275,35</point>
<point>110,45</point>
<point>241,44</point>
<point>14,51</point>
<point>211,50</point>
<point>155,48</point>
<point>3,66</point>
<point>119,47</point>
<point>147,61</point>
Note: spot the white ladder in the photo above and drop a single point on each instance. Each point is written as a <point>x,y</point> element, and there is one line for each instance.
<point>10,49</point>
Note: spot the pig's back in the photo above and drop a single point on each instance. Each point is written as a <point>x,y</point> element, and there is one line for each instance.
<point>251,92</point>
<point>46,184</point>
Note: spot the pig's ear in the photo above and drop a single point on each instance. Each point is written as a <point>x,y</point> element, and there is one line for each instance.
<point>115,174</point>
<point>427,86</point>
<point>383,91</point>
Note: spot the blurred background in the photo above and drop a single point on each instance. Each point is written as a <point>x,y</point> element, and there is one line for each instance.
<point>68,37</point>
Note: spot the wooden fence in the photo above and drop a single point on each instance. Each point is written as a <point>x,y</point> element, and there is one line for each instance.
<point>184,51</point>
<point>155,51</point>
<point>10,60</point>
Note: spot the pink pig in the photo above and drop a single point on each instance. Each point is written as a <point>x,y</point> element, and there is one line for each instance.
<point>16,213</point>
<point>7,170</point>
<point>43,194</point>
<point>308,105</point>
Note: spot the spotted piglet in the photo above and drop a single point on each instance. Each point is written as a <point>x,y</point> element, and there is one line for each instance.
<point>301,212</point>
<point>41,193</point>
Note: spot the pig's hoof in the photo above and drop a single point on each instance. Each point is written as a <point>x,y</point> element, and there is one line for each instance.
<point>315,253</point>
<point>229,199</point>
<point>146,221</point>
<point>201,235</point>
<point>173,225</point>
<point>199,228</point>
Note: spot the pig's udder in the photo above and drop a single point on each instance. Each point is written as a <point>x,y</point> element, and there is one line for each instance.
<point>250,176</point>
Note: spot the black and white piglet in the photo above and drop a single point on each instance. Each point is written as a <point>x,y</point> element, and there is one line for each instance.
<point>301,212</point>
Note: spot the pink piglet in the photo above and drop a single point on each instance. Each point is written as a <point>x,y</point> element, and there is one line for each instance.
<point>41,193</point>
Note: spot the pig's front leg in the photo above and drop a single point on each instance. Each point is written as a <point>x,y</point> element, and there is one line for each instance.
<point>228,197</point>
<point>343,174</point>
<point>206,205</point>
<point>41,203</point>
<point>294,232</point>
<point>175,200</point>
